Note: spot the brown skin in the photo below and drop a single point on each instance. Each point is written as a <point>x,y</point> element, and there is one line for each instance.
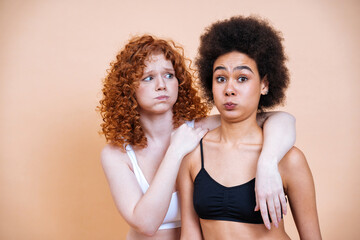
<point>231,160</point>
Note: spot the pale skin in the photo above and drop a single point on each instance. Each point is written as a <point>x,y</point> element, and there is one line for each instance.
<point>166,147</point>
<point>231,154</point>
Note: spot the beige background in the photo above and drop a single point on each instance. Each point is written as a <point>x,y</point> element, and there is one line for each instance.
<point>53,55</point>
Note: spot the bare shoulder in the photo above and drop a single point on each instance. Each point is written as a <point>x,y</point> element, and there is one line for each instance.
<point>190,158</point>
<point>192,161</point>
<point>294,158</point>
<point>294,168</point>
<point>209,122</point>
<point>113,156</point>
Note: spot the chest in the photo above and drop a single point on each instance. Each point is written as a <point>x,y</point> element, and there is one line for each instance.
<point>214,201</point>
<point>230,167</point>
<point>149,160</point>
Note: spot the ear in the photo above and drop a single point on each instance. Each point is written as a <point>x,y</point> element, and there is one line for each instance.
<point>264,84</point>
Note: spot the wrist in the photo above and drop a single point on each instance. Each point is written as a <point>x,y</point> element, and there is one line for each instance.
<point>175,153</point>
<point>267,163</point>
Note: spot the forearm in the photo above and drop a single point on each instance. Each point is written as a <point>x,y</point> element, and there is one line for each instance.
<point>151,209</point>
<point>279,137</point>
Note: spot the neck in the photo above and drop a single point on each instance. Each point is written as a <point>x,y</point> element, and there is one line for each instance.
<point>241,132</point>
<point>157,126</point>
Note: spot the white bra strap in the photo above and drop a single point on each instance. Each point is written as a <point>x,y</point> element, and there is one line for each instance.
<point>137,170</point>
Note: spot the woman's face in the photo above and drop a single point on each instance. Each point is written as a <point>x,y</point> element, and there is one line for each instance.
<point>237,86</point>
<point>158,88</point>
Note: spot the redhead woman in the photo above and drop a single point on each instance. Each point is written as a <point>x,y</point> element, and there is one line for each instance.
<point>153,117</point>
<point>242,70</point>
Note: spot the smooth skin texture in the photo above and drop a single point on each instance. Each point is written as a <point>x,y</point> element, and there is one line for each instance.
<point>161,159</point>
<point>231,154</point>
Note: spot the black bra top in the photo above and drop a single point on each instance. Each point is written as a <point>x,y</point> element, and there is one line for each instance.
<point>217,202</point>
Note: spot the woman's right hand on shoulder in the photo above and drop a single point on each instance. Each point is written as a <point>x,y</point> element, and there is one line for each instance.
<point>184,139</point>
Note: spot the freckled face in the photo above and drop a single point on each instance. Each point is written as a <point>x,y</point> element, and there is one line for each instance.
<point>158,88</point>
<point>237,86</point>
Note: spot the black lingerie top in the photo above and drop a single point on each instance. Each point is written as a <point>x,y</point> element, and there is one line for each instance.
<point>217,202</point>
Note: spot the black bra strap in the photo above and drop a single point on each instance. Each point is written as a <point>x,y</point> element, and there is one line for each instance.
<point>202,155</point>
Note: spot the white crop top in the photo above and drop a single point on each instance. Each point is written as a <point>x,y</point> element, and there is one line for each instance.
<point>172,217</point>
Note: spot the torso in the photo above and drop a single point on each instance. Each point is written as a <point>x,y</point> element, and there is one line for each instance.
<point>148,160</point>
<point>217,230</point>
<point>166,234</point>
<point>231,167</point>
<point>214,201</point>
<point>172,218</point>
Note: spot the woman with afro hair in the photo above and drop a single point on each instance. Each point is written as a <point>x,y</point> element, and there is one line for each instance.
<point>153,117</point>
<point>241,64</point>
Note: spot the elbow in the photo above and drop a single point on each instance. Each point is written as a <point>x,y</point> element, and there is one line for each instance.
<point>146,225</point>
<point>288,117</point>
<point>290,121</point>
<point>143,225</point>
<point>148,229</point>
<point>149,232</point>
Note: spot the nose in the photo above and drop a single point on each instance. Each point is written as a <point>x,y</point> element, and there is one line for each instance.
<point>229,89</point>
<point>160,84</point>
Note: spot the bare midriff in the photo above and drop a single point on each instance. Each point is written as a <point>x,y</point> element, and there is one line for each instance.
<point>165,234</point>
<point>214,230</point>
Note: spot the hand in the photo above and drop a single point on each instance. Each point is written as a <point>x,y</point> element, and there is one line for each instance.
<point>184,139</point>
<point>270,197</point>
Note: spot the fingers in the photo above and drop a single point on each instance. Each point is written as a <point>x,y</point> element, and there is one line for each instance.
<point>277,210</point>
<point>257,206</point>
<point>201,132</point>
<point>264,213</point>
<point>272,212</point>
<point>283,202</point>
<point>271,207</point>
<point>187,137</point>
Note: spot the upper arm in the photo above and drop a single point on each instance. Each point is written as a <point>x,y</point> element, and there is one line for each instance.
<point>279,135</point>
<point>300,189</point>
<point>121,180</point>
<point>209,122</point>
<point>261,118</point>
<point>190,226</point>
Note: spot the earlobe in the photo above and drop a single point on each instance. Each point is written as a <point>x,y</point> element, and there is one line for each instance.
<point>264,85</point>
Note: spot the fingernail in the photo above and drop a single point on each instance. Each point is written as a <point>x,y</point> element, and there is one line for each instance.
<point>268,226</point>
<point>276,225</point>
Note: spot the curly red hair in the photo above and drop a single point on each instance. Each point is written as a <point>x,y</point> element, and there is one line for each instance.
<point>119,108</point>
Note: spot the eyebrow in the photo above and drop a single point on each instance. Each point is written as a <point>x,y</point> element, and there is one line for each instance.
<point>170,69</point>
<point>166,69</point>
<point>235,68</point>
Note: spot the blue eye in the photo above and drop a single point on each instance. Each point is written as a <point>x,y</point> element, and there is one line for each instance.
<point>169,75</point>
<point>242,79</point>
<point>220,79</point>
<point>147,79</point>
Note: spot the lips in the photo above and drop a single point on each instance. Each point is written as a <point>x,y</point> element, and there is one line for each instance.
<point>162,97</point>
<point>229,105</point>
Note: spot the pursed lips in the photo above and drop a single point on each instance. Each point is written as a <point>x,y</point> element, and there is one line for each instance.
<point>162,97</point>
<point>230,105</point>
